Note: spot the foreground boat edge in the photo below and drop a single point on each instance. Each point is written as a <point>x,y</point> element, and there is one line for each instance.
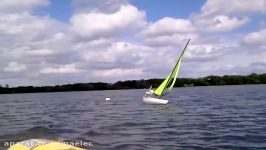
<point>42,144</point>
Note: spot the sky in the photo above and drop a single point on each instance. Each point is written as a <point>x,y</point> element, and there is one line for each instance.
<point>48,42</point>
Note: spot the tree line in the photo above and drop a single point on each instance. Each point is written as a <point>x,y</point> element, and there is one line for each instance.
<point>140,84</point>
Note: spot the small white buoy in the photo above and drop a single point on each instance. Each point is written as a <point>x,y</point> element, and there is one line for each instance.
<point>107,98</point>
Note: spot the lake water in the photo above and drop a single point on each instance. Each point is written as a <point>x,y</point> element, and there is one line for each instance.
<point>224,117</point>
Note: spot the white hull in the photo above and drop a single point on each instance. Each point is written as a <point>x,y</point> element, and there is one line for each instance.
<point>151,100</point>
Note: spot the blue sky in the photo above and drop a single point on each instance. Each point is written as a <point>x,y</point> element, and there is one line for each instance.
<point>156,9</point>
<point>47,42</point>
<point>58,9</point>
<point>62,10</point>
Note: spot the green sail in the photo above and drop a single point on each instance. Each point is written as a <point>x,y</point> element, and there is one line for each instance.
<point>176,74</point>
<point>160,89</point>
<point>171,78</point>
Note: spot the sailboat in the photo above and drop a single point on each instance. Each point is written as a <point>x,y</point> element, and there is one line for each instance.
<point>155,96</point>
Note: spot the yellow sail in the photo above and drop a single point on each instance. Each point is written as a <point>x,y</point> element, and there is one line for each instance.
<point>171,78</point>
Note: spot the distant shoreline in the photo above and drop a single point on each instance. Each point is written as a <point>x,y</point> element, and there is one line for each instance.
<point>141,84</point>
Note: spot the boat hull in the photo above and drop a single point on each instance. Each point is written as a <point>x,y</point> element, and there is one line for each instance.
<point>152,100</point>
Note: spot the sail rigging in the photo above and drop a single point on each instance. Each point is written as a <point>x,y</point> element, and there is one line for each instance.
<point>169,82</point>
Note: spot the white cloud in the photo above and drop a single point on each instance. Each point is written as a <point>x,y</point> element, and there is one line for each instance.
<point>119,73</point>
<point>256,38</point>
<point>221,16</point>
<point>201,49</point>
<point>69,68</point>
<point>214,7</point>
<point>24,35</point>
<point>20,5</point>
<point>171,40</point>
<point>219,23</point>
<point>25,23</point>
<point>40,52</point>
<point>94,25</point>
<point>168,32</point>
<point>168,26</point>
<point>117,55</point>
<point>15,67</point>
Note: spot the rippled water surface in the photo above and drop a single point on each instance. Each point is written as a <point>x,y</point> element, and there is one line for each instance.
<point>225,117</point>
